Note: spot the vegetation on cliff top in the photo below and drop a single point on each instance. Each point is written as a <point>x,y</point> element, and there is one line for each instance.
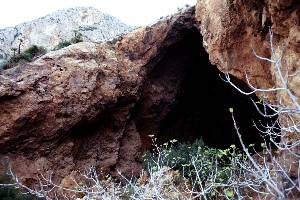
<point>33,52</point>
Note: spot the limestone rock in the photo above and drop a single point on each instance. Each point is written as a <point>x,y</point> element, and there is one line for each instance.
<point>58,26</point>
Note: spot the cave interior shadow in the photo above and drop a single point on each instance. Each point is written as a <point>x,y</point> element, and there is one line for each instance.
<point>203,102</point>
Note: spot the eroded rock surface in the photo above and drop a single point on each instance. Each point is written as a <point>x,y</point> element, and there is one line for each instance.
<point>233,29</point>
<point>95,104</point>
<point>75,107</point>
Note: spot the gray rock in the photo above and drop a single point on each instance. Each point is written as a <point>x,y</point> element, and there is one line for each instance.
<point>58,26</point>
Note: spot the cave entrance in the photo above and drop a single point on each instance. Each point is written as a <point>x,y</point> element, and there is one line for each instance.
<point>201,105</point>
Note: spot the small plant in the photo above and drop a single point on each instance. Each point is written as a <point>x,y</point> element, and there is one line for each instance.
<point>76,39</point>
<point>11,193</point>
<point>2,64</point>
<point>187,157</point>
<point>27,55</point>
<point>213,173</point>
<point>62,44</point>
<point>32,52</point>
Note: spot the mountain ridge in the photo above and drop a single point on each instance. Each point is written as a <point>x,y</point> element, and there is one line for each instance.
<point>58,26</point>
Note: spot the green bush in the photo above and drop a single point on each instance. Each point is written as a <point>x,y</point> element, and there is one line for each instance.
<point>62,44</point>
<point>29,54</point>
<point>2,64</point>
<point>76,39</point>
<point>26,56</point>
<point>10,193</point>
<point>196,159</point>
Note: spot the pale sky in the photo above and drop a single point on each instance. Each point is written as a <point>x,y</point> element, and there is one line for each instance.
<point>132,12</point>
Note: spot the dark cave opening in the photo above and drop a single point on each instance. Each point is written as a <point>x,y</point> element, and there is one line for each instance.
<point>202,100</point>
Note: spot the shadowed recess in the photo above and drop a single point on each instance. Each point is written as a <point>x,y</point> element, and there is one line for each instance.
<point>200,108</point>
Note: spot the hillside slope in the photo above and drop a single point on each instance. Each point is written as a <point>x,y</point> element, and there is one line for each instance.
<point>49,30</point>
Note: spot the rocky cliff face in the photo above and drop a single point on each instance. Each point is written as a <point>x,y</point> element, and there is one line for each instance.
<point>96,104</point>
<point>81,101</point>
<point>48,31</point>
<point>233,29</point>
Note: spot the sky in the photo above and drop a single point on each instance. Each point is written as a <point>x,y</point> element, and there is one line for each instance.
<point>131,12</point>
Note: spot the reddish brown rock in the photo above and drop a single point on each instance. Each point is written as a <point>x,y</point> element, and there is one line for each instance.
<point>75,107</point>
<point>95,104</point>
<point>233,29</point>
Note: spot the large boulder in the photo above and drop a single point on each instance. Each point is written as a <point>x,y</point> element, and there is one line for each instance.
<point>75,107</point>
